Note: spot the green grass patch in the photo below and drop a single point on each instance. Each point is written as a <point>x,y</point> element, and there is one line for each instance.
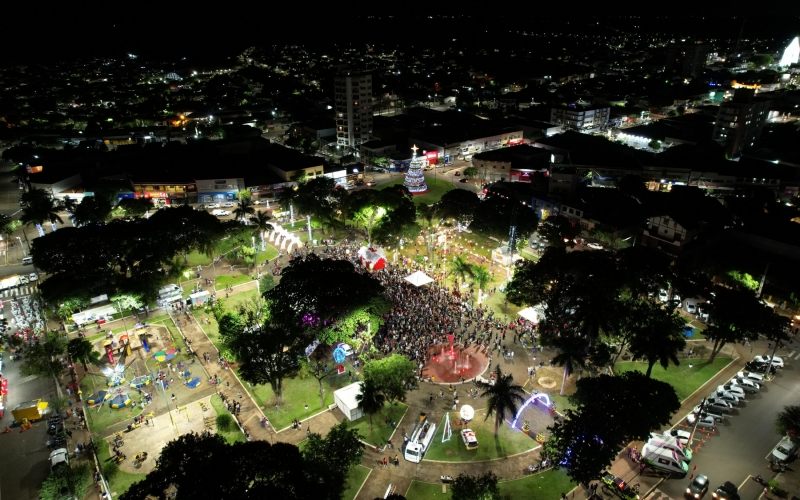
<point>236,279</point>
<point>233,436</point>
<point>355,478</point>
<point>549,484</point>
<point>381,431</point>
<point>684,378</point>
<point>436,189</point>
<point>120,483</point>
<point>509,442</point>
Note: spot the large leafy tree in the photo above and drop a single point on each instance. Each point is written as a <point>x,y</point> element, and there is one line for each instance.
<point>135,207</point>
<point>316,292</point>
<point>483,487</point>
<point>503,398</point>
<point>318,197</point>
<point>657,335</point>
<point>43,358</point>
<point>92,209</point>
<point>496,214</point>
<point>267,352</point>
<point>335,454</point>
<point>609,412</point>
<point>82,350</point>
<point>788,422</point>
<point>391,375</point>
<point>559,231</point>
<point>370,399</point>
<point>202,467</point>
<point>459,204</point>
<point>736,315</point>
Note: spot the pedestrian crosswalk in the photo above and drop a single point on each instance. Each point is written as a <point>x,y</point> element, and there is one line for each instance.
<point>26,379</point>
<point>19,291</point>
<point>796,358</point>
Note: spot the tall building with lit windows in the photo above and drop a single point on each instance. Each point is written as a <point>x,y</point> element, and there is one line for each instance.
<point>740,121</point>
<point>353,99</point>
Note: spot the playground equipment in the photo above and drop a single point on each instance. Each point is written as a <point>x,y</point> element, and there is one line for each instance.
<point>120,401</point>
<point>192,384</point>
<point>140,381</point>
<point>98,397</point>
<point>165,355</point>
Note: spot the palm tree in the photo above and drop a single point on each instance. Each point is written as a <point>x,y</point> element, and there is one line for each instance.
<point>427,212</point>
<point>571,355</point>
<point>39,208</point>
<point>244,209</point>
<point>81,350</point>
<point>69,204</point>
<point>370,400</point>
<point>460,269</point>
<point>504,397</point>
<point>480,276</point>
<point>261,222</point>
<point>659,337</point>
<point>178,269</point>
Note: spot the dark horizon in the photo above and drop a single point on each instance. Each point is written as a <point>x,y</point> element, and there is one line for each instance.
<point>226,34</point>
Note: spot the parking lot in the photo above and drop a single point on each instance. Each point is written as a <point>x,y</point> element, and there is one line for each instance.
<point>743,441</point>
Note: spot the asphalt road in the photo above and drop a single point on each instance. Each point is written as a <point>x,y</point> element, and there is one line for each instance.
<point>746,437</point>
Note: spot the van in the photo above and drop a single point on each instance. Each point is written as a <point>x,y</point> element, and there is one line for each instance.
<point>671,443</point>
<point>664,460</point>
<point>27,261</point>
<point>59,458</point>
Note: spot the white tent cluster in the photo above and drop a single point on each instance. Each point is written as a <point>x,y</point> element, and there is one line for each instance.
<point>283,239</point>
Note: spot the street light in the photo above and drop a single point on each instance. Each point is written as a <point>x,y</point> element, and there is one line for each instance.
<point>308,422</point>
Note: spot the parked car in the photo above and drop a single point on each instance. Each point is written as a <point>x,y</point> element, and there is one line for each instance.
<point>349,186</point>
<point>726,396</point>
<point>259,202</point>
<point>348,351</point>
<point>726,491</point>
<point>33,277</point>
<point>211,206</point>
<point>683,436</point>
<point>663,295</point>
<point>733,389</point>
<point>619,487</point>
<point>469,438</point>
<point>691,307</point>
<point>371,183</point>
<point>702,312</point>
<point>784,450</point>
<point>595,246</point>
<point>220,213</point>
<point>755,377</point>
<point>746,384</point>
<point>702,423</point>
<point>59,458</point>
<point>457,174</point>
<point>698,487</point>
<point>464,180</point>
<point>776,361</point>
<point>718,405</point>
<point>227,204</point>
<point>760,367</point>
<point>708,412</point>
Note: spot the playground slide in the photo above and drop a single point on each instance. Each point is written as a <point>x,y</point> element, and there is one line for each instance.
<point>145,345</point>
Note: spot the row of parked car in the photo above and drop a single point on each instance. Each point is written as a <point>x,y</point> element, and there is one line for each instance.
<point>728,395</point>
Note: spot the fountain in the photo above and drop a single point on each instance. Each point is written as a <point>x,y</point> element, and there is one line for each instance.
<point>448,362</point>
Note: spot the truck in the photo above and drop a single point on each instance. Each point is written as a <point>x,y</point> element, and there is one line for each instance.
<point>11,281</point>
<point>420,439</point>
<point>32,410</point>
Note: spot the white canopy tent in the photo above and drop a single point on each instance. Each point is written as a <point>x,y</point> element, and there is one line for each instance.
<point>345,399</point>
<point>531,314</point>
<point>419,278</point>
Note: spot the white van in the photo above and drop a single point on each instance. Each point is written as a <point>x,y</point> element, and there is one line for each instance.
<point>58,458</point>
<point>219,212</point>
<point>27,261</point>
<point>664,460</point>
<point>671,443</point>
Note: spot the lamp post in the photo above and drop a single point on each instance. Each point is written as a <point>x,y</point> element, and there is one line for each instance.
<point>308,423</point>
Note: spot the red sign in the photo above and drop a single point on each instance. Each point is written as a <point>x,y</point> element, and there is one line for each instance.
<point>4,387</point>
<point>151,194</point>
<point>432,155</point>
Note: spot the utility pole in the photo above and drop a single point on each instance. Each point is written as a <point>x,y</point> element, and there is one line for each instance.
<point>763,280</point>
<point>697,421</point>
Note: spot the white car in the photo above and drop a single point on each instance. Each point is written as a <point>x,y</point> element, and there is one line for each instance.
<point>703,423</point>
<point>784,450</point>
<point>469,438</point>
<point>702,312</point>
<point>23,280</point>
<point>348,351</point>
<point>691,307</point>
<point>33,277</point>
<point>349,186</point>
<point>755,377</point>
<point>663,295</point>
<point>708,412</point>
<point>682,436</point>
<point>58,458</point>
<point>725,396</point>
<point>594,246</point>
<point>220,213</point>
<point>746,384</point>
<point>718,405</point>
<point>733,389</point>
<point>227,204</point>
<point>212,205</point>
<point>776,361</point>
<point>259,202</point>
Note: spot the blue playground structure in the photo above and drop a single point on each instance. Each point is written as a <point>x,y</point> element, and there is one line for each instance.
<point>145,345</point>
<point>120,401</point>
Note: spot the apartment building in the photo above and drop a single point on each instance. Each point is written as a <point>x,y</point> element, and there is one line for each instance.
<point>353,108</point>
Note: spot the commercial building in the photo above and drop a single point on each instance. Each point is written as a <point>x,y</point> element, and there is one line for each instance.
<point>578,117</point>
<point>515,164</point>
<point>451,143</point>
<point>216,190</point>
<point>686,59</point>
<point>353,108</point>
<point>740,121</point>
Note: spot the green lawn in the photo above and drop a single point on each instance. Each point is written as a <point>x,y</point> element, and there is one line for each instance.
<point>684,379</point>
<point>120,483</point>
<point>381,431</point>
<point>355,478</point>
<point>436,188</point>
<point>547,485</point>
<point>233,436</point>
<point>230,303</point>
<point>236,279</point>
<point>509,442</point>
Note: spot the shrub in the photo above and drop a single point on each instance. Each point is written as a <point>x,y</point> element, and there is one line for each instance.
<point>224,422</point>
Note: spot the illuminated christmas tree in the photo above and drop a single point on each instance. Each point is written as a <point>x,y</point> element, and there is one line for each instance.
<point>415,180</point>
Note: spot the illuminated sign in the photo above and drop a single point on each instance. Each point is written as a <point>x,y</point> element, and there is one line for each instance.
<point>432,155</point>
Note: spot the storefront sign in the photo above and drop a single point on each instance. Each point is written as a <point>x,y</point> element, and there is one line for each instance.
<point>152,194</point>
<point>433,155</point>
